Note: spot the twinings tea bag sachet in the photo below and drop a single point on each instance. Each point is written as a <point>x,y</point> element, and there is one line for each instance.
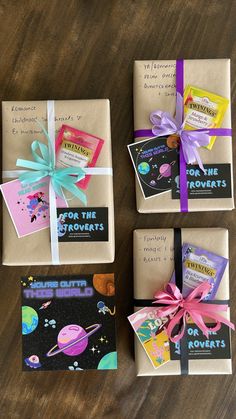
<point>200,265</point>
<point>203,109</point>
<point>77,148</point>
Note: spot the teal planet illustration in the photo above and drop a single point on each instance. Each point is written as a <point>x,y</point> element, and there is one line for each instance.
<point>108,362</point>
<point>143,168</point>
<point>30,320</point>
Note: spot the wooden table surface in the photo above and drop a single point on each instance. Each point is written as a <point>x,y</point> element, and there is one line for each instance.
<point>81,50</point>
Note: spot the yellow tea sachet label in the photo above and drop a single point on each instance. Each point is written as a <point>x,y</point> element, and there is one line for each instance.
<point>203,109</point>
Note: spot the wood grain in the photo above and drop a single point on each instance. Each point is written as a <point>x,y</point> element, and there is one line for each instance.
<point>85,49</point>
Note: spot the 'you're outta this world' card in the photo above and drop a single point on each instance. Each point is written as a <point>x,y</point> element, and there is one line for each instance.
<point>68,322</point>
<point>153,160</point>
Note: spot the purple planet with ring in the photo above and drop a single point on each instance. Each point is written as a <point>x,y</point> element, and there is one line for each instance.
<point>73,339</point>
<point>165,170</point>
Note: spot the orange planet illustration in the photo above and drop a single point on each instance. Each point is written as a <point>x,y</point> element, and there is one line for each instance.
<point>172,141</point>
<point>104,284</point>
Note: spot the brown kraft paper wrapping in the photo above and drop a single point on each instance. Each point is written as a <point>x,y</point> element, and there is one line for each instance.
<point>153,267</point>
<point>154,88</point>
<point>19,130</point>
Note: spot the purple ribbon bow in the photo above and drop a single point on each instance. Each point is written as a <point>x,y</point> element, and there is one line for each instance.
<point>165,124</point>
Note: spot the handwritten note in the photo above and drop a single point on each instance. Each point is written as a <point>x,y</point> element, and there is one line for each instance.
<point>24,119</point>
<point>160,77</point>
<point>156,248</point>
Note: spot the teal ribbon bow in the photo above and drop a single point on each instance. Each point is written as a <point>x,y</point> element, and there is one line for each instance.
<point>44,165</point>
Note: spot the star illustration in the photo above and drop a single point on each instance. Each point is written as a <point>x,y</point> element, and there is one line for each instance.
<point>30,278</point>
<point>101,339</point>
<point>93,349</point>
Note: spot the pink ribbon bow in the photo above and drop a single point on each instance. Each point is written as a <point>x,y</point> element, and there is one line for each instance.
<point>181,309</point>
<point>165,124</point>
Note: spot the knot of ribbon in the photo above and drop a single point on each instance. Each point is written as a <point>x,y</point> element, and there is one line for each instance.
<point>181,309</point>
<point>44,165</point>
<point>191,140</point>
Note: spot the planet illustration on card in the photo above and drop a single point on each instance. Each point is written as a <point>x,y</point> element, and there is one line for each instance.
<point>104,284</point>
<point>108,361</point>
<point>33,361</point>
<point>30,320</point>
<point>165,170</point>
<point>144,168</point>
<point>172,141</point>
<point>73,339</point>
<point>153,163</point>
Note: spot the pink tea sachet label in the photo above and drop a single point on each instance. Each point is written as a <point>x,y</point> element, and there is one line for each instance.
<point>75,148</point>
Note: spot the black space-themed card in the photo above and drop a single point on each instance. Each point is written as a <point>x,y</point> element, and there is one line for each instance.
<point>216,346</point>
<point>153,160</point>
<point>82,224</point>
<point>68,322</point>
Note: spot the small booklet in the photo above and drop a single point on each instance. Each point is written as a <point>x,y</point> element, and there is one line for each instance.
<point>68,322</point>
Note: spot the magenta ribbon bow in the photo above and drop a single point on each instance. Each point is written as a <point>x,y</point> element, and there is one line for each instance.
<point>165,124</point>
<point>180,309</point>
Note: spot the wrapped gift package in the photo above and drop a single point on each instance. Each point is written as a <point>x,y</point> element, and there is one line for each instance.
<point>155,89</point>
<point>20,128</point>
<point>153,267</point>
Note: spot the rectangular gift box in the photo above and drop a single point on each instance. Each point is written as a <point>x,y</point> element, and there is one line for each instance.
<point>19,130</point>
<point>153,267</point>
<point>155,89</point>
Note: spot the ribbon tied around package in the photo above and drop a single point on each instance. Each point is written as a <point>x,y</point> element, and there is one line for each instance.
<point>181,309</point>
<point>60,178</point>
